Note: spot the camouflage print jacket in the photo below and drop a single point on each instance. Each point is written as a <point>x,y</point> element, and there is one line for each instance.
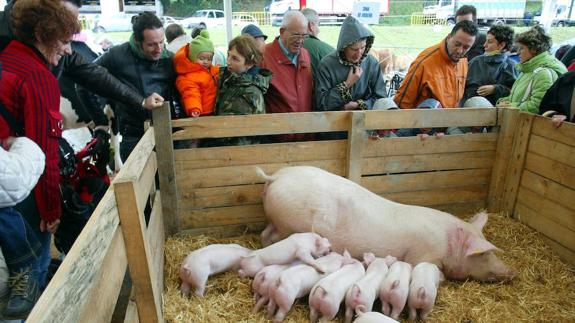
<point>244,93</point>
<point>241,94</point>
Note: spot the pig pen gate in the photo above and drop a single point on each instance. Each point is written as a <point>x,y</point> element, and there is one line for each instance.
<point>524,167</point>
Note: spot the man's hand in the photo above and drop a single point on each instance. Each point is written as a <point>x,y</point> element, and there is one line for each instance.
<point>353,75</point>
<point>485,90</point>
<point>153,101</point>
<point>49,226</point>
<point>558,120</point>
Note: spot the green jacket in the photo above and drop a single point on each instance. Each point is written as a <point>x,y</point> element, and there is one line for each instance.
<point>537,76</point>
<point>240,94</point>
<point>317,50</point>
<point>243,93</point>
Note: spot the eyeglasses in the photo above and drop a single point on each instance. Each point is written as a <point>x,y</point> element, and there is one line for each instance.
<point>298,36</point>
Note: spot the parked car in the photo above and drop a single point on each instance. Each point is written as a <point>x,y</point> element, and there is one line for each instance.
<point>205,18</point>
<point>241,20</point>
<point>115,22</point>
<point>167,20</point>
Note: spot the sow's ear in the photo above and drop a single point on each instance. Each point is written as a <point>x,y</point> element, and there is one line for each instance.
<point>479,246</point>
<point>479,220</point>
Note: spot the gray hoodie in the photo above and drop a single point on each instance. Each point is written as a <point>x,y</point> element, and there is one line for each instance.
<point>331,94</point>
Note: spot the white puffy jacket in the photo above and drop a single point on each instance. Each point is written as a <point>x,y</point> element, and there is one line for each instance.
<point>20,168</point>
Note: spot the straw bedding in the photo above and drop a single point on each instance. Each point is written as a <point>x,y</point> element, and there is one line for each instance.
<point>543,291</point>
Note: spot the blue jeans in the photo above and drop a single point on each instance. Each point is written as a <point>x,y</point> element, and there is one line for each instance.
<point>29,211</point>
<point>18,241</point>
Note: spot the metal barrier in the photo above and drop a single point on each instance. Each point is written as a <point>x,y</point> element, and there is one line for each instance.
<point>419,18</point>
<point>262,17</point>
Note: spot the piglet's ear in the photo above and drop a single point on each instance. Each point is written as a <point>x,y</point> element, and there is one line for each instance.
<point>479,220</point>
<point>479,246</point>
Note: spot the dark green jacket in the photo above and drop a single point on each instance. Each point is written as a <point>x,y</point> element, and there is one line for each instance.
<point>239,95</point>
<point>317,50</point>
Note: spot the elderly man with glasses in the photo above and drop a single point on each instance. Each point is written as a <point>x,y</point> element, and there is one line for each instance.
<point>291,88</point>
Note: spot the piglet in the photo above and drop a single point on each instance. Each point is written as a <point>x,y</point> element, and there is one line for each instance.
<point>365,291</point>
<point>425,279</point>
<point>209,260</point>
<point>394,289</point>
<point>297,281</point>
<point>302,246</point>
<point>327,295</point>
<point>371,317</point>
<point>263,281</point>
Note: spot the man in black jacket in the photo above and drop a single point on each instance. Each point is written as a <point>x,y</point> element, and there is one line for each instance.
<point>146,66</point>
<point>559,100</point>
<point>84,73</point>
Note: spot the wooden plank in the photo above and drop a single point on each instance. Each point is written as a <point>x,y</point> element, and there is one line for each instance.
<point>238,175</point>
<point>568,256</point>
<point>516,162</point>
<point>221,196</point>
<point>553,170</point>
<point>546,208</point>
<point>440,196</point>
<point>146,180</point>
<point>416,146</point>
<point>227,230</point>
<point>545,226</point>
<point>552,149</point>
<point>166,168</point>
<point>427,162</point>
<point>135,164</point>
<point>222,216</point>
<point>356,137</point>
<point>156,238</point>
<point>549,189</point>
<point>565,134</point>
<point>427,118</point>
<point>138,252</point>
<point>260,124</point>
<point>425,181</point>
<point>75,278</point>
<point>251,194</point>
<point>187,159</point>
<point>508,119</point>
<point>107,285</point>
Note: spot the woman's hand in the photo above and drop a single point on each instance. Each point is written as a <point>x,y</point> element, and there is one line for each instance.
<point>558,120</point>
<point>485,90</point>
<point>49,226</point>
<point>353,105</point>
<point>353,75</point>
<point>503,104</point>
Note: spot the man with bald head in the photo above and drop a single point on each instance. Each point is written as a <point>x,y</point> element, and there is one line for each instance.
<point>291,87</point>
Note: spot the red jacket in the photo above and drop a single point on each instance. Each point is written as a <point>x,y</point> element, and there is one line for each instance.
<point>31,93</point>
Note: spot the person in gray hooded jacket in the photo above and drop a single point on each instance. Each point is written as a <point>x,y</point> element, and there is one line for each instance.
<point>349,78</point>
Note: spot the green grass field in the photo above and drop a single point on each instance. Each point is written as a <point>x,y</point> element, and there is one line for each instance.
<point>407,40</point>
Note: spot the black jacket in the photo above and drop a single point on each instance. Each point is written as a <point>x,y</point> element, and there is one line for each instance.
<point>477,47</point>
<point>558,97</point>
<point>498,70</point>
<point>78,69</point>
<point>144,77</point>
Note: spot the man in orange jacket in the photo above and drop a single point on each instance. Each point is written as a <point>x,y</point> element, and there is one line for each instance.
<point>439,72</point>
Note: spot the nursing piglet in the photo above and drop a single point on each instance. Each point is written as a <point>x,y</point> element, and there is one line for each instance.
<point>425,279</point>
<point>326,296</point>
<point>209,260</point>
<point>302,246</point>
<point>297,281</point>
<point>263,281</point>
<point>371,317</point>
<point>365,291</point>
<point>394,289</point>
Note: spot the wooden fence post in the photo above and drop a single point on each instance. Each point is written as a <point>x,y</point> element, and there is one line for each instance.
<point>508,120</point>
<point>166,168</point>
<point>355,138</point>
<point>517,162</point>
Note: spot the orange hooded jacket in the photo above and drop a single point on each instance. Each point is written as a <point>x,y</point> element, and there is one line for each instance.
<point>197,86</point>
<point>433,75</point>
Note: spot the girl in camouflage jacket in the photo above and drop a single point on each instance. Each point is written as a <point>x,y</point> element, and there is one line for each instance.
<point>242,85</point>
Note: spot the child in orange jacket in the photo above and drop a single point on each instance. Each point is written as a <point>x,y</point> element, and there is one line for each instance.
<point>197,79</point>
